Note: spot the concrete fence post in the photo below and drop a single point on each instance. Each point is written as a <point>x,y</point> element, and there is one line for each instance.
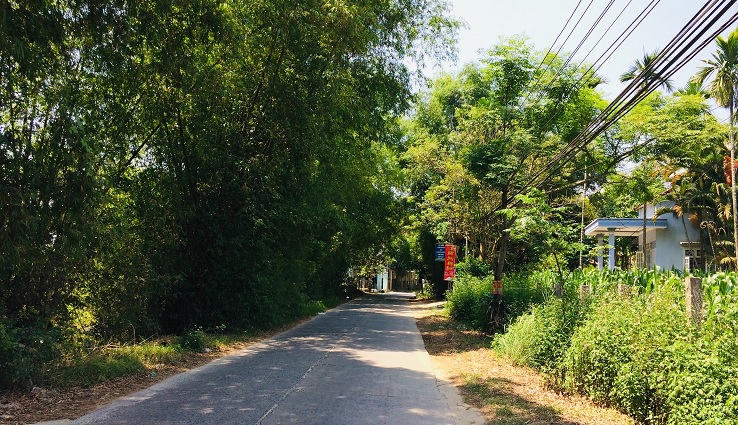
<point>625,291</point>
<point>558,290</point>
<point>693,295</point>
<point>584,292</point>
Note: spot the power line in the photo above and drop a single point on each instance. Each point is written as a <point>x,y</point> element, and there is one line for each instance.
<point>668,61</point>
<point>673,57</point>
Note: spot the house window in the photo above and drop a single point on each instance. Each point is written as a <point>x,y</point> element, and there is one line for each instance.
<point>693,260</point>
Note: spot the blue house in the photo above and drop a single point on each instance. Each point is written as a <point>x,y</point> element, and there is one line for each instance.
<point>668,243</point>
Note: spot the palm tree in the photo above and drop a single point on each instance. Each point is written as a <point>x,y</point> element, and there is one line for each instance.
<point>724,64</point>
<point>692,88</point>
<point>646,64</point>
<point>641,65</point>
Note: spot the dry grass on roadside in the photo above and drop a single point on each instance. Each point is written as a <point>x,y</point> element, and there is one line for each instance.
<point>505,394</point>
<point>41,404</point>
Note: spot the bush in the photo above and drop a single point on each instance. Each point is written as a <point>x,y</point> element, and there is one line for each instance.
<point>193,338</point>
<point>599,350</point>
<point>639,354</point>
<point>24,352</point>
<point>523,290</point>
<point>468,301</point>
<point>540,337</point>
<point>473,267</point>
<point>517,344</point>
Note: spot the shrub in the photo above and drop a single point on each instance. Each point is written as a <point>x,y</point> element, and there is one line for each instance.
<point>473,267</point>
<point>193,338</point>
<point>24,352</point>
<point>599,349</point>
<point>522,290</point>
<point>517,344</point>
<point>557,319</point>
<point>468,301</point>
<point>639,354</point>
<point>541,337</point>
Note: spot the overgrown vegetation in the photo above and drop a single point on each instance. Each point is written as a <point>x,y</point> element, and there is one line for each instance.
<point>638,353</point>
<point>166,166</point>
<point>83,367</point>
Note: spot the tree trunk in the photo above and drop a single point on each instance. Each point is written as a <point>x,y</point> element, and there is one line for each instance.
<point>732,184</point>
<point>504,239</point>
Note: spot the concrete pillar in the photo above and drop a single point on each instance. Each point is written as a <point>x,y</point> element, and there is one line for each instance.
<point>611,253</point>
<point>558,290</point>
<point>583,292</point>
<point>600,251</point>
<point>693,289</point>
<point>625,291</point>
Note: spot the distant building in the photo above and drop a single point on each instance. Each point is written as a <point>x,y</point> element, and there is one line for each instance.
<point>668,245</point>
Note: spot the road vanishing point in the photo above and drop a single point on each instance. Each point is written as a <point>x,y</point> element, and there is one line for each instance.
<point>361,363</point>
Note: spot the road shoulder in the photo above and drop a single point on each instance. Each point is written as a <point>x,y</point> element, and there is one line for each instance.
<point>505,394</point>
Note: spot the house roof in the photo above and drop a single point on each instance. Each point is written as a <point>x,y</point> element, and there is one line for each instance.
<point>622,226</point>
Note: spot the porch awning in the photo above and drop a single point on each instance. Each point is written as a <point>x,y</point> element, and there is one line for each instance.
<point>622,226</point>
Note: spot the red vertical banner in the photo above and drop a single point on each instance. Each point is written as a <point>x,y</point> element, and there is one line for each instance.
<point>449,269</point>
<point>497,287</point>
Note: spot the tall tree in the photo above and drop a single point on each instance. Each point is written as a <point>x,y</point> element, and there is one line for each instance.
<point>494,124</point>
<point>645,64</point>
<point>637,70</point>
<point>724,89</point>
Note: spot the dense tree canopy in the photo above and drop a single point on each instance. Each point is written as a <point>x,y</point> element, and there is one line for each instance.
<point>478,137</point>
<point>172,164</point>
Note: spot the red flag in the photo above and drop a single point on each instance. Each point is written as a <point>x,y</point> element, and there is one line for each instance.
<point>449,270</point>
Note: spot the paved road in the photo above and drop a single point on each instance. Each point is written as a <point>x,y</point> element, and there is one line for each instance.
<point>362,363</point>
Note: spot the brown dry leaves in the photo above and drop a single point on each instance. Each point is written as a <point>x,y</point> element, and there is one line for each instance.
<point>505,394</point>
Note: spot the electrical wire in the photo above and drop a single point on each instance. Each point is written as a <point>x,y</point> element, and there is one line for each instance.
<point>627,100</point>
<point>670,59</point>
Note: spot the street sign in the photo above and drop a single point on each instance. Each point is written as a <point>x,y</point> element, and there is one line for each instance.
<point>440,252</point>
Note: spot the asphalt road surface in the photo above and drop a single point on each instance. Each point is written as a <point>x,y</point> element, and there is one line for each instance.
<point>362,363</point>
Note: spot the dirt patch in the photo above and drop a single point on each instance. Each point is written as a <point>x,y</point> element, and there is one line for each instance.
<point>506,395</point>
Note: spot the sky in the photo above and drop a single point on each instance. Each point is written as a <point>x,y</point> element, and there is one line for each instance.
<point>542,20</point>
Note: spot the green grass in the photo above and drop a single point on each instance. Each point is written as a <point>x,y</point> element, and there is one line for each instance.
<point>311,308</point>
<point>517,345</point>
<point>96,369</point>
<point>84,368</point>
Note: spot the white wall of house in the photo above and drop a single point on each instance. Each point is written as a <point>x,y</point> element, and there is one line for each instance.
<point>667,246</point>
<point>383,280</point>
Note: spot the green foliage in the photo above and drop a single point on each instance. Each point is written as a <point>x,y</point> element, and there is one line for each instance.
<point>311,308</point>
<point>427,293</point>
<point>475,138</point>
<point>473,267</point>
<point>155,352</point>
<point>203,162</point>
<point>639,354</point>
<point>96,369</point>
<point>467,302</point>
<point>24,352</point>
<point>521,290</point>
<point>193,338</point>
<point>516,344</point>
